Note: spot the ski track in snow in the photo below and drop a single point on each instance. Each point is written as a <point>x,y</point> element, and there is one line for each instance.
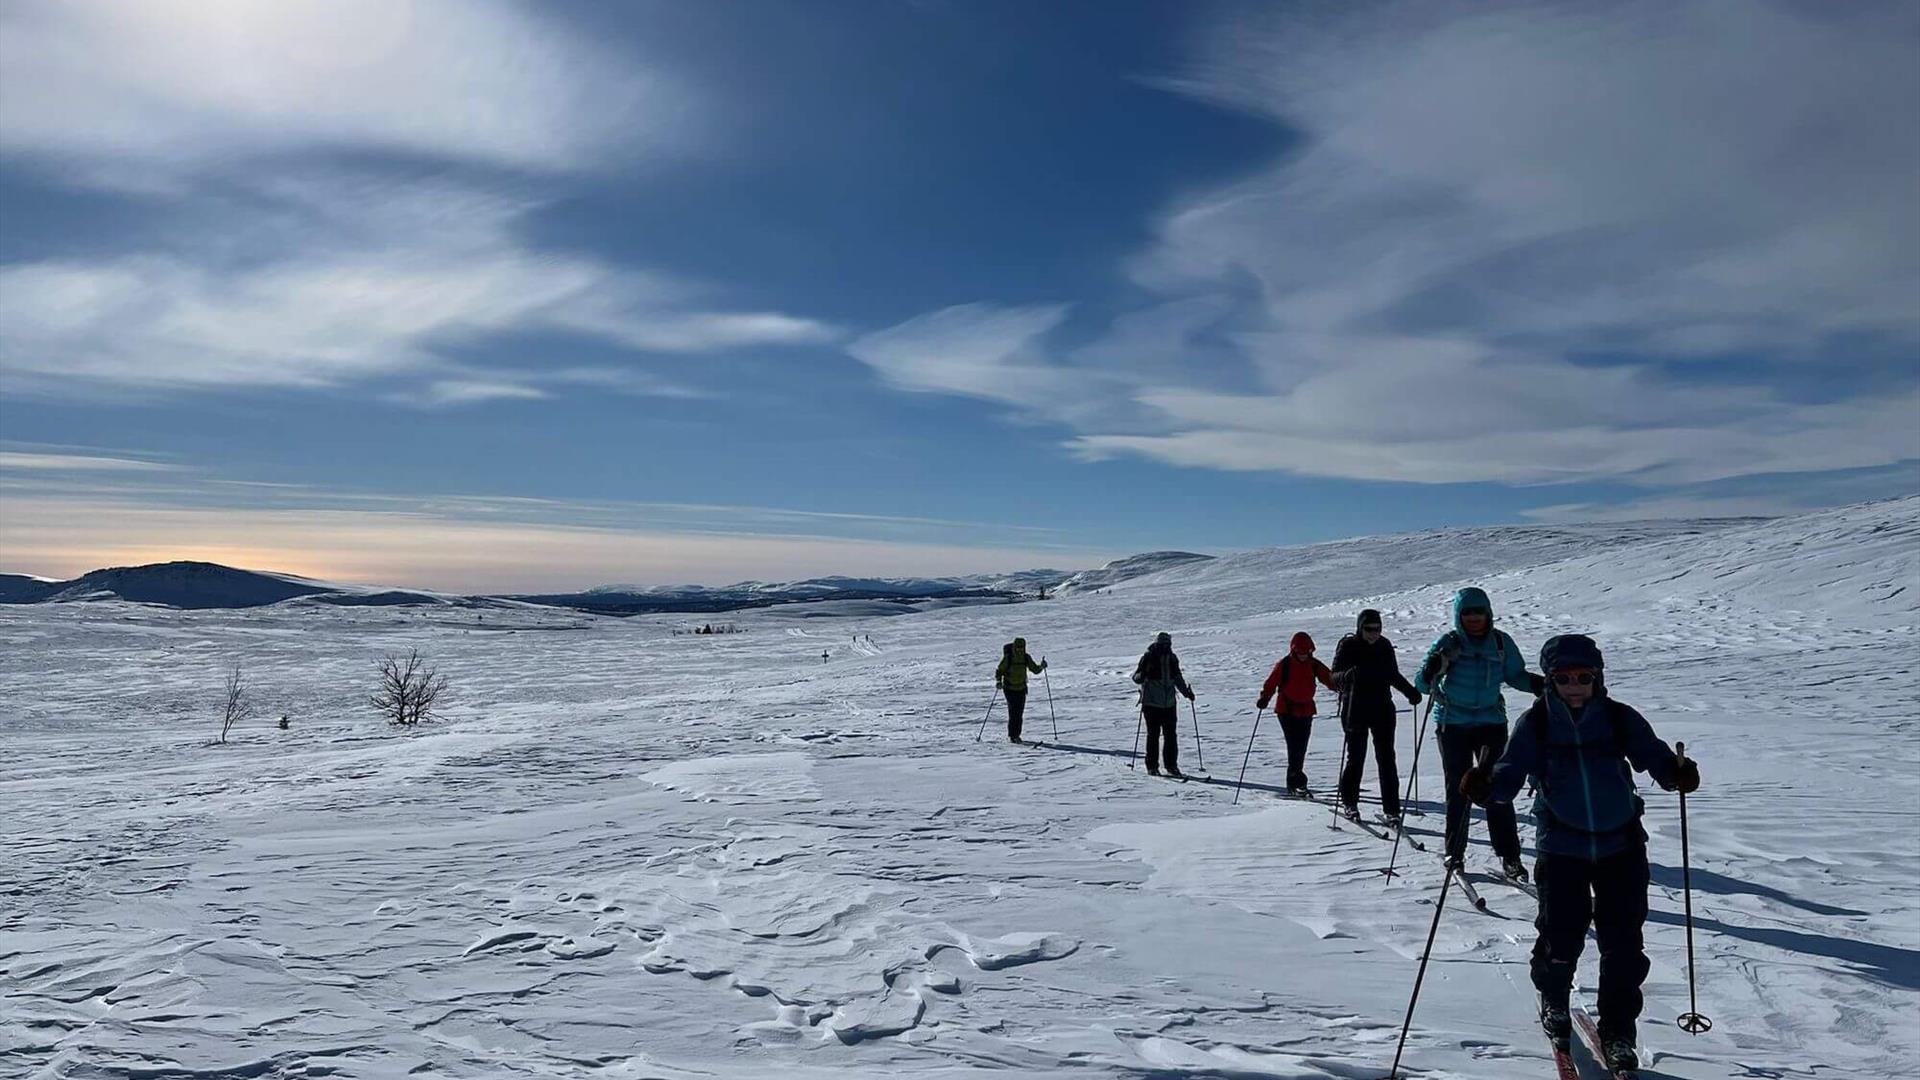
<point>629,853</point>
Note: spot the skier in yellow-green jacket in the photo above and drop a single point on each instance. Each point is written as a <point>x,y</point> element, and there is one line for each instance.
<point>1011,678</point>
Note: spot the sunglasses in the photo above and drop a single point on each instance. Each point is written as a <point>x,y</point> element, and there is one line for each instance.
<point>1573,678</point>
<point>1371,628</point>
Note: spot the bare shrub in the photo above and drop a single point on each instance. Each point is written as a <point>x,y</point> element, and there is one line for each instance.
<point>238,703</point>
<point>408,689</point>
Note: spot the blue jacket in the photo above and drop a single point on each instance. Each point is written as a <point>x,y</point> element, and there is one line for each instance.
<point>1583,766</point>
<point>1474,670</point>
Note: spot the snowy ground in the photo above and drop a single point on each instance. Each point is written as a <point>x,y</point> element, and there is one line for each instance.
<point>630,853</point>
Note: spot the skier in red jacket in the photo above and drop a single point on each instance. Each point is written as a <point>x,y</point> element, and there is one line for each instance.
<point>1291,683</point>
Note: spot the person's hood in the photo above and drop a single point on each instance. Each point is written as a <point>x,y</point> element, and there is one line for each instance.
<point>1366,616</point>
<point>1163,641</point>
<point>1471,597</point>
<point>1574,651</point>
<point>1020,643</point>
<point>1302,643</point>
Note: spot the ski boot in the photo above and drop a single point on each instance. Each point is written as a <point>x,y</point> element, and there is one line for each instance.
<point>1176,773</point>
<point>1515,870</point>
<point>1394,820</point>
<point>1557,1021</point>
<point>1622,1057</point>
<point>1456,863</point>
<point>1351,813</point>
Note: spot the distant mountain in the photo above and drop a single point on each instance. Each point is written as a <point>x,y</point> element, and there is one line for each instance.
<point>646,599</point>
<point>25,588</point>
<point>202,585</point>
<point>172,584</point>
<point>1132,566</point>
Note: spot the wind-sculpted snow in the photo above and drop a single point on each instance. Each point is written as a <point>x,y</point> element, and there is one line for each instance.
<point>629,852</point>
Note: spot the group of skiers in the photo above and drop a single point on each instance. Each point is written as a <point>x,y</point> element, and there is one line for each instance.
<point>1575,744</point>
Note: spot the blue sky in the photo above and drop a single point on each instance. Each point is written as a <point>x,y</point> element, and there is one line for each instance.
<point>488,296</point>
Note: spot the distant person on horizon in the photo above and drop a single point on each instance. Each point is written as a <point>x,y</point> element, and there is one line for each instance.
<point>1158,676</point>
<point>1011,678</point>
<point>1581,748</point>
<point>1464,671</point>
<point>1290,685</point>
<point>1366,672</point>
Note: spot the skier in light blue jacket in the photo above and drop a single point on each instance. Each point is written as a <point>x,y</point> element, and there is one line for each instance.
<point>1466,671</point>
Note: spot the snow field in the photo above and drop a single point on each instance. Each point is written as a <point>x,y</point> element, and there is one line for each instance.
<point>627,853</point>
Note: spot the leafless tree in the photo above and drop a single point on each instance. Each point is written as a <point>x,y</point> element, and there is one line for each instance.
<point>238,703</point>
<point>408,689</point>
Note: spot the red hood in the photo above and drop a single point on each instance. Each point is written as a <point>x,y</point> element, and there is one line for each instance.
<point>1302,643</point>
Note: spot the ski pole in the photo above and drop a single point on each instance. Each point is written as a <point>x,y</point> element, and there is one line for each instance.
<point>1248,757</point>
<point>1413,771</point>
<point>1690,1021</point>
<point>1333,811</point>
<point>1050,715</point>
<point>1142,713</point>
<point>983,716</point>
<point>1198,750</point>
<point>1407,1024</point>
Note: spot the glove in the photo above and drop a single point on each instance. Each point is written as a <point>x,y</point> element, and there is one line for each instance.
<point>1413,697</point>
<point>1043,665</point>
<point>999,683</point>
<point>1262,703</point>
<point>1686,779</point>
<point>1189,692</point>
<point>1477,785</point>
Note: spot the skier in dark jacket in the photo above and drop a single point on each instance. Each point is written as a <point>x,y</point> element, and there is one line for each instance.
<point>1580,747</point>
<point>1465,671</point>
<point>1158,676</point>
<point>1290,685</point>
<point>1366,672</point>
<point>1011,678</point>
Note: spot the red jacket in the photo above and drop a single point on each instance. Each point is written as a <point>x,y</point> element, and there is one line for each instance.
<point>1294,680</point>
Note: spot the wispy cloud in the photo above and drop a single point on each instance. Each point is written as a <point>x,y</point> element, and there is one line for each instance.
<point>77,463</point>
<point>1506,247</point>
<point>284,267</point>
<point>136,92</point>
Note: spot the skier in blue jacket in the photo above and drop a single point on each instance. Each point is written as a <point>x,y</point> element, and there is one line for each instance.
<point>1465,671</point>
<point>1580,747</point>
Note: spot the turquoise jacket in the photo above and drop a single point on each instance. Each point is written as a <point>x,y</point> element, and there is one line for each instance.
<point>1465,674</point>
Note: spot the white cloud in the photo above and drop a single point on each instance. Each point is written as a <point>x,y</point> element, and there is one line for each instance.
<point>327,284</point>
<point>180,84</point>
<point>1484,199</point>
<point>86,463</point>
<point>974,350</point>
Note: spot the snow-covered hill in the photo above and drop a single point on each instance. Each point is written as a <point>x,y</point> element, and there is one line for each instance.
<point>1129,568</point>
<point>629,852</point>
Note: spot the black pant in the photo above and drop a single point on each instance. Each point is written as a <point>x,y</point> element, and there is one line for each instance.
<point>1381,729</point>
<point>1016,712</point>
<point>1162,722</point>
<point>1461,746</point>
<point>1298,730</point>
<point>1611,895</point>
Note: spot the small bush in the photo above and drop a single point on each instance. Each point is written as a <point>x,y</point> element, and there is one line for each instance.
<point>408,689</point>
<point>238,704</point>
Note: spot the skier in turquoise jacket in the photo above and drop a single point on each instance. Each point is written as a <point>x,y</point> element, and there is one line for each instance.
<point>1466,671</point>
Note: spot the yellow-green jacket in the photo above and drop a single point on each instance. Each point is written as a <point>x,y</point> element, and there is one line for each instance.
<point>1014,665</point>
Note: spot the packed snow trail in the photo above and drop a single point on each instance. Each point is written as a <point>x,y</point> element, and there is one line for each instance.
<point>632,853</point>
